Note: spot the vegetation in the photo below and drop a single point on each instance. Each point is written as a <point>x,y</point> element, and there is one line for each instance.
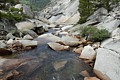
<point>87,7</point>
<point>94,34</point>
<point>10,13</point>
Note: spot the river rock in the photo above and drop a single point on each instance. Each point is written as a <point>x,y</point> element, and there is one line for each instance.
<point>70,40</point>
<point>10,41</point>
<point>88,53</point>
<point>2,44</point>
<point>10,36</point>
<point>28,43</point>
<point>59,64</point>
<point>45,38</point>
<point>107,64</point>
<point>57,46</point>
<point>85,73</point>
<point>28,37</point>
<point>24,25</point>
<point>78,50</point>
<point>30,32</point>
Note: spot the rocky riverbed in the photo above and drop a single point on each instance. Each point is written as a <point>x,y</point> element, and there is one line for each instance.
<point>49,46</point>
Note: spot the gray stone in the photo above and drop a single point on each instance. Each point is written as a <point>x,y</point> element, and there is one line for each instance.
<point>107,65</point>
<point>98,15</point>
<point>88,53</point>
<point>10,36</point>
<point>57,46</point>
<point>2,44</point>
<point>30,32</point>
<point>110,25</point>
<point>28,37</point>
<point>24,25</point>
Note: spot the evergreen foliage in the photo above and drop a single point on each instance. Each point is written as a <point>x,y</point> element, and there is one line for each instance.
<point>94,34</point>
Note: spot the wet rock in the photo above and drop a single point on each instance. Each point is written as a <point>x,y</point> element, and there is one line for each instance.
<point>88,53</point>
<point>107,64</point>
<point>85,73</point>
<point>24,25</point>
<point>5,52</point>
<point>59,64</point>
<point>28,37</point>
<point>10,36</point>
<point>57,46</point>
<point>91,78</point>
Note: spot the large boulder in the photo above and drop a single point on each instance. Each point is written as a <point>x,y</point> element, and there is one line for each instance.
<point>28,43</point>
<point>98,15</point>
<point>110,25</point>
<point>88,53</point>
<point>24,25</point>
<point>107,65</point>
<point>112,44</point>
<point>45,38</point>
<point>26,9</point>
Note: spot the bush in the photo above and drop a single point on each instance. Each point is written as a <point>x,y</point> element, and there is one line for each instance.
<point>94,34</point>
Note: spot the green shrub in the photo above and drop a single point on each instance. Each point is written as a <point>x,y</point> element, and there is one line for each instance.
<point>94,34</point>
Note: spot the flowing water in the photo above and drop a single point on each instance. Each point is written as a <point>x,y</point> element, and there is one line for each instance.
<point>41,65</point>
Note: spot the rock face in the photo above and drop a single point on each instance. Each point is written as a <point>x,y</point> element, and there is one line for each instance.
<point>107,64</point>
<point>107,60</point>
<point>24,25</point>
<point>26,9</point>
<point>110,25</point>
<point>88,53</point>
<point>98,15</point>
<point>116,33</point>
<point>61,11</point>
